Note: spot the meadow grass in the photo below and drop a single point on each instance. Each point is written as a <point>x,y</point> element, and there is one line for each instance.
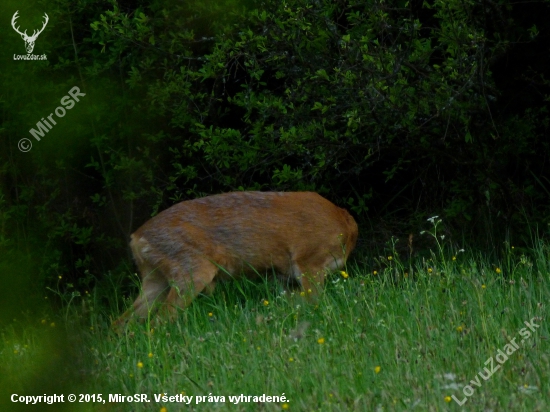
<point>407,337</point>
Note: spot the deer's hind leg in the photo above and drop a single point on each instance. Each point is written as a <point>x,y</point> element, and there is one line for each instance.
<point>187,283</point>
<point>154,289</point>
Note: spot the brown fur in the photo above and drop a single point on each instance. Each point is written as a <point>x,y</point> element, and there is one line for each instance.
<point>183,250</point>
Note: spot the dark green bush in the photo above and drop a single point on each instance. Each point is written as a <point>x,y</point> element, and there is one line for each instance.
<point>396,110</point>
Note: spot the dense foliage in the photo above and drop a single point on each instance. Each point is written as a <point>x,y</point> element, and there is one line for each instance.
<point>394,109</point>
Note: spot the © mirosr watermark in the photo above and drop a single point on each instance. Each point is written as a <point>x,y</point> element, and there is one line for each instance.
<point>29,40</point>
<point>501,357</point>
<point>44,126</point>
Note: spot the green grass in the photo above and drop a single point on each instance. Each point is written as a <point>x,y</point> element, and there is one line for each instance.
<point>403,339</point>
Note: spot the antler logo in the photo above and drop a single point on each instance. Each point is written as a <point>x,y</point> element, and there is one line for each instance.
<point>29,40</point>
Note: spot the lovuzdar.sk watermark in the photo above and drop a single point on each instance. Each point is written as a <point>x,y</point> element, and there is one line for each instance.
<point>29,40</point>
<point>44,126</point>
<point>501,357</point>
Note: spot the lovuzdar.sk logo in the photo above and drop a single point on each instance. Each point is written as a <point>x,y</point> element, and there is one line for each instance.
<point>29,40</point>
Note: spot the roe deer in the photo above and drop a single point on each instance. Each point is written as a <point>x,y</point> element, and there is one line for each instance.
<point>184,249</point>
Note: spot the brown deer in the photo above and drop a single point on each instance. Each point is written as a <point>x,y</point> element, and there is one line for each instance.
<point>185,249</point>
